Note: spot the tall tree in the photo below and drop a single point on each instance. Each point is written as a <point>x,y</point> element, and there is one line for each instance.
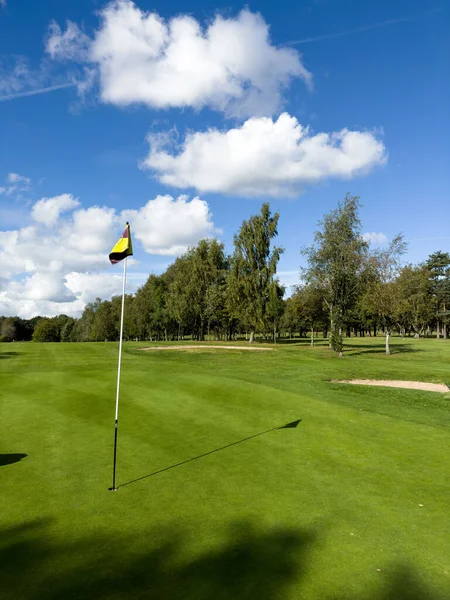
<point>8,330</point>
<point>275,307</point>
<point>150,307</point>
<point>415,307</point>
<point>439,265</point>
<point>382,296</point>
<point>81,331</point>
<point>310,308</point>
<point>103,327</point>
<point>253,269</point>
<point>336,263</point>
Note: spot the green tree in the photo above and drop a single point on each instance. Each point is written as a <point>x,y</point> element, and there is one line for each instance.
<point>103,328</point>
<point>46,330</point>
<point>415,308</point>
<point>310,308</point>
<point>8,329</point>
<point>150,308</point>
<point>253,270</point>
<point>81,331</point>
<point>275,307</point>
<point>439,265</point>
<point>66,330</point>
<point>336,264</point>
<point>129,320</point>
<point>382,296</point>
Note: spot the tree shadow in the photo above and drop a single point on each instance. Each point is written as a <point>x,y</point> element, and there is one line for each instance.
<point>401,584</point>
<point>248,563</point>
<point>291,425</point>
<point>379,349</point>
<point>9,354</point>
<point>9,459</point>
<point>303,342</point>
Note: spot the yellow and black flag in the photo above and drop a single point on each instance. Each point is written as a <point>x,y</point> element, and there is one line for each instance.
<point>123,248</point>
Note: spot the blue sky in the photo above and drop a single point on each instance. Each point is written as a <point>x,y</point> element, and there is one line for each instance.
<point>293,102</point>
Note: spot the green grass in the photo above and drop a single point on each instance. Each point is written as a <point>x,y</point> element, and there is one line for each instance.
<point>329,510</point>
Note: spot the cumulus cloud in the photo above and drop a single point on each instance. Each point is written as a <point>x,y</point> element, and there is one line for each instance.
<point>263,157</point>
<point>168,226</point>
<point>48,210</point>
<point>230,65</point>
<point>376,239</point>
<point>60,262</point>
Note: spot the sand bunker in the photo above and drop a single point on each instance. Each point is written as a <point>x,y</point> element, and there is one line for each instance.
<point>408,385</point>
<point>201,347</point>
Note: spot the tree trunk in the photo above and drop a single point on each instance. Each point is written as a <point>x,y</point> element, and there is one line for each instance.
<point>438,330</point>
<point>312,337</point>
<point>388,349</point>
<point>252,335</point>
<point>330,344</point>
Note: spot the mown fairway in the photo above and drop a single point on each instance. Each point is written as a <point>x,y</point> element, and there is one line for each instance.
<point>352,504</point>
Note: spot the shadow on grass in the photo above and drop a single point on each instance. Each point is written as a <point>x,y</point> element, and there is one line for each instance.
<point>378,349</point>
<point>401,584</point>
<point>9,459</point>
<point>9,354</point>
<point>291,425</point>
<point>303,342</point>
<point>249,563</point>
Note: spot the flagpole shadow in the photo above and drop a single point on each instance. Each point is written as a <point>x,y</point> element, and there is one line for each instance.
<point>291,425</point>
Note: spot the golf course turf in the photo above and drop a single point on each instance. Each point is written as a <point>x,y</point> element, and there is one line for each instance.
<point>217,500</point>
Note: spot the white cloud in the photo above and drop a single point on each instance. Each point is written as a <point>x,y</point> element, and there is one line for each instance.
<point>73,44</point>
<point>263,157</point>
<point>60,262</point>
<point>2,3</point>
<point>89,286</point>
<point>168,226</point>
<point>15,183</point>
<point>230,66</point>
<point>48,210</point>
<point>16,178</point>
<point>377,239</point>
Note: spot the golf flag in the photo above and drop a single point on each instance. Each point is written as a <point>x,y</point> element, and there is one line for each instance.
<point>123,248</point>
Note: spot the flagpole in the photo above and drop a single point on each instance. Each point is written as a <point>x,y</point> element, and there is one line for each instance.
<point>116,421</point>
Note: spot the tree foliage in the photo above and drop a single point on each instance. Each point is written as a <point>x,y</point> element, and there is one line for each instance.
<point>253,270</point>
<point>336,264</point>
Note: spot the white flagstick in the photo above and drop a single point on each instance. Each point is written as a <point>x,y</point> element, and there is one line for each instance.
<point>116,423</point>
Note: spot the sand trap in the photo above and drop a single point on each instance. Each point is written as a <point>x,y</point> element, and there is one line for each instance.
<point>200,347</point>
<point>408,385</point>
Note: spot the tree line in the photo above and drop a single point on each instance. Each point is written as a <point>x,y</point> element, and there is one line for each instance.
<point>346,289</point>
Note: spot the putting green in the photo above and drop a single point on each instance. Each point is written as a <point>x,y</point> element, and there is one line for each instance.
<point>216,501</point>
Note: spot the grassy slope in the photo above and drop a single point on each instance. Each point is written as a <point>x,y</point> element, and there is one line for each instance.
<point>311,512</point>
